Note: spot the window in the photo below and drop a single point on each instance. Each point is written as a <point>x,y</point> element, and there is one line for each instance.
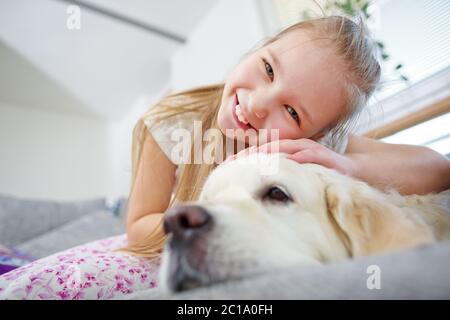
<point>434,133</point>
<point>417,35</point>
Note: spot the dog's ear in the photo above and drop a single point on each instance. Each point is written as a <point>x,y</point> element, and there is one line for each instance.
<point>368,223</point>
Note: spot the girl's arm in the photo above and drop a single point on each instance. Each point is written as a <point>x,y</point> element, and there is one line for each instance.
<point>151,191</point>
<point>409,169</point>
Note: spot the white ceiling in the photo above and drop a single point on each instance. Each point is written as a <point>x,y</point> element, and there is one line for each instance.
<point>101,69</point>
<point>177,16</point>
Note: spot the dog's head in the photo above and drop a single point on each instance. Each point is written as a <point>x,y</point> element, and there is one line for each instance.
<point>248,222</point>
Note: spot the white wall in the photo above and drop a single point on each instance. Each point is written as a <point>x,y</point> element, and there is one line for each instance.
<point>50,155</point>
<point>120,138</point>
<point>228,31</point>
<point>46,154</point>
<point>65,156</point>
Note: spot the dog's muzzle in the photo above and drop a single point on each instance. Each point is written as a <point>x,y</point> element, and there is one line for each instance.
<point>187,222</point>
<point>187,227</point>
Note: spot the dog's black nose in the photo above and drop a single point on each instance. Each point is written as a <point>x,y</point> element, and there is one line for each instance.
<point>183,221</point>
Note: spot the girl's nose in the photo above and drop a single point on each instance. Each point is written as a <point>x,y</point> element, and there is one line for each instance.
<point>259,105</point>
<point>261,114</point>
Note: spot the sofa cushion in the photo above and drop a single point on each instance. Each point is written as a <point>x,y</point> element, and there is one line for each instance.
<point>25,219</point>
<point>96,225</point>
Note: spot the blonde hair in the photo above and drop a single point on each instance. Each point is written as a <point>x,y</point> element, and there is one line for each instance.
<point>351,42</point>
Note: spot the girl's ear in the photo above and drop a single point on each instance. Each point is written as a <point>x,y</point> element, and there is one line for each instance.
<point>368,223</point>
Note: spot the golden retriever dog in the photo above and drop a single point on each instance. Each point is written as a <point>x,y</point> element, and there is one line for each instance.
<point>247,222</point>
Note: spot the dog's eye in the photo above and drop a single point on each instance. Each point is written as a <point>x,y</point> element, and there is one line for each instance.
<point>276,194</point>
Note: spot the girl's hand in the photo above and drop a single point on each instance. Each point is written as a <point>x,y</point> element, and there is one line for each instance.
<point>306,151</point>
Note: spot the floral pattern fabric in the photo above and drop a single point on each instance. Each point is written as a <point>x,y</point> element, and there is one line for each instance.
<point>11,258</point>
<point>92,271</point>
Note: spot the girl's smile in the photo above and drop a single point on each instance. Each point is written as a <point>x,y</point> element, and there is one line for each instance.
<point>239,116</point>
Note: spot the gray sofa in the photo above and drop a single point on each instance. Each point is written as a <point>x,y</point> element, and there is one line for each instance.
<point>420,273</point>
<point>43,227</point>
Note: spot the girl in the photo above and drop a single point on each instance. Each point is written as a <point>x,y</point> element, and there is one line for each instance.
<point>309,82</point>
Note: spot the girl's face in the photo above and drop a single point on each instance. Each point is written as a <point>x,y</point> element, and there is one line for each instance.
<point>293,84</point>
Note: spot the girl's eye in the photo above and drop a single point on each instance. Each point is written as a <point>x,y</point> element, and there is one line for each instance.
<point>269,70</point>
<point>293,113</point>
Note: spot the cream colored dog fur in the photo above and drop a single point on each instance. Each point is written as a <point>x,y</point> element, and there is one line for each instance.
<point>325,217</point>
